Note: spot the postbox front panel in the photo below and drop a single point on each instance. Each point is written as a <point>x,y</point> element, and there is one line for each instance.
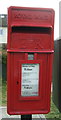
<point>29,84</point>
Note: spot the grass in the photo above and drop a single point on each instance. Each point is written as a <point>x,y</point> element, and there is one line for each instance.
<point>54,113</point>
<point>0,91</point>
<point>3,93</point>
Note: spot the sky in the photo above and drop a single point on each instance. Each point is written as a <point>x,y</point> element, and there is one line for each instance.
<point>4,4</point>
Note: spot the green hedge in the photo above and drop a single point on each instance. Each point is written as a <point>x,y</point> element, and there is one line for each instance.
<point>4,57</point>
<point>4,62</point>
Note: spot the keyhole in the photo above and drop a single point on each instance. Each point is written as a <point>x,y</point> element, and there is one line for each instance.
<point>17,82</point>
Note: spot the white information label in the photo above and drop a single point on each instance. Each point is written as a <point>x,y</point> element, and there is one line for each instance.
<point>30,80</point>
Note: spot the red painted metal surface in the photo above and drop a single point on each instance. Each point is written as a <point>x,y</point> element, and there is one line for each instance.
<point>30,30</point>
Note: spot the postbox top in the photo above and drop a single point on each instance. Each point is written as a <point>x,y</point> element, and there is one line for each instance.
<point>27,16</point>
<point>32,28</point>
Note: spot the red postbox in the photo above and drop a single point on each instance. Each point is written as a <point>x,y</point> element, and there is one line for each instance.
<point>30,56</point>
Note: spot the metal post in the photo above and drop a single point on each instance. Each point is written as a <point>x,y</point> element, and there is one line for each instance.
<point>26,117</point>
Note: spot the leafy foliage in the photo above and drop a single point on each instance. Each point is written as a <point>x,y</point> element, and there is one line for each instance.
<point>4,54</point>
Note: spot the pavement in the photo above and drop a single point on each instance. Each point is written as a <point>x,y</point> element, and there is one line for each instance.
<point>5,116</point>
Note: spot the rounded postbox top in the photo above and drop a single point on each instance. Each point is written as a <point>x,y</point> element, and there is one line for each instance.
<point>31,29</point>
